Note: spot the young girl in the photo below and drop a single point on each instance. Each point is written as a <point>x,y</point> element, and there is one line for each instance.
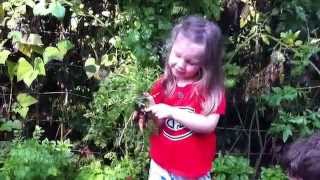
<point>189,99</point>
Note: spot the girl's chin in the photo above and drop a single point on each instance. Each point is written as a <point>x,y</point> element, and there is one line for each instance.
<point>179,76</point>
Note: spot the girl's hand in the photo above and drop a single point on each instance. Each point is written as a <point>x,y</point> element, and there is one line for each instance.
<point>161,111</point>
<point>149,98</point>
<point>140,115</point>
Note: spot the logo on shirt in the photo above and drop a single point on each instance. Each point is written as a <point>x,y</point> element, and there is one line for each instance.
<point>174,130</point>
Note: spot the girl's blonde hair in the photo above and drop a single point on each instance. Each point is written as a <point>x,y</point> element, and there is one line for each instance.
<point>210,84</point>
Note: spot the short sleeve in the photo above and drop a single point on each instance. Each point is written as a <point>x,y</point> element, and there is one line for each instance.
<point>156,91</point>
<point>222,106</point>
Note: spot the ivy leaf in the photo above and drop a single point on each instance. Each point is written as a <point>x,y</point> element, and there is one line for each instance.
<point>30,77</point>
<point>25,49</point>
<point>34,39</point>
<point>25,72</point>
<point>23,111</point>
<point>57,9</point>
<point>4,56</point>
<point>26,100</point>
<point>64,46</point>
<point>51,53</point>
<point>39,66</point>
<point>91,67</point>
<point>24,69</point>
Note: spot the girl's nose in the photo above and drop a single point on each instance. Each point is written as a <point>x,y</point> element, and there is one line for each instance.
<point>181,64</point>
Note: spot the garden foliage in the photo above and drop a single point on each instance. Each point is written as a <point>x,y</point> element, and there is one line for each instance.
<point>76,68</point>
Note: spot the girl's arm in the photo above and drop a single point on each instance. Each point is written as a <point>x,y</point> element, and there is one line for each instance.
<point>193,121</point>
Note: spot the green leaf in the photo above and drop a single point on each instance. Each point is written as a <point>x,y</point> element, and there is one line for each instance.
<point>265,39</point>
<point>230,82</point>
<point>164,25</point>
<point>267,28</point>
<point>4,56</point>
<point>40,9</point>
<point>2,43</point>
<point>299,120</point>
<point>53,171</point>
<point>39,66</point>
<point>24,69</point>
<point>23,111</point>
<point>296,34</point>
<point>64,46</point>
<point>57,9</point>
<point>30,77</point>
<point>17,108</point>
<point>115,41</point>
<point>25,72</point>
<point>26,49</point>
<point>16,36</point>
<point>107,61</point>
<point>30,3</point>
<point>2,13</point>
<point>91,67</point>
<point>298,43</point>
<point>51,53</point>
<point>34,39</point>
<point>287,132</point>
<point>26,100</point>
<point>12,69</point>
<point>10,125</point>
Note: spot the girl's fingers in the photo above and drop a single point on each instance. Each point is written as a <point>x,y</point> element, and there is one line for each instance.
<point>150,98</point>
<point>149,109</point>
<point>135,116</point>
<point>141,124</point>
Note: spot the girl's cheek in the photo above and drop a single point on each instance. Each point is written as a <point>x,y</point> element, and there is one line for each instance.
<point>172,62</point>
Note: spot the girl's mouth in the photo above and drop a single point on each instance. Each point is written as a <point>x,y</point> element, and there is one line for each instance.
<point>179,71</point>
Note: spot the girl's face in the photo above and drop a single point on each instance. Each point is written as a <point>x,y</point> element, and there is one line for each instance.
<point>185,59</point>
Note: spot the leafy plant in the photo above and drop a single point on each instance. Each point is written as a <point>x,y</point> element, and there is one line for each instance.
<point>23,102</point>
<point>281,95</point>
<point>119,169</point>
<point>229,167</point>
<point>112,107</point>
<point>30,159</point>
<point>289,124</point>
<point>272,173</point>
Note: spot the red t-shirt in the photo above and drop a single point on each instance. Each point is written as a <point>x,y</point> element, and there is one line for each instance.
<point>176,148</point>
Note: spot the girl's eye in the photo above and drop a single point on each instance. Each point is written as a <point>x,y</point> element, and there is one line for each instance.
<point>191,62</point>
